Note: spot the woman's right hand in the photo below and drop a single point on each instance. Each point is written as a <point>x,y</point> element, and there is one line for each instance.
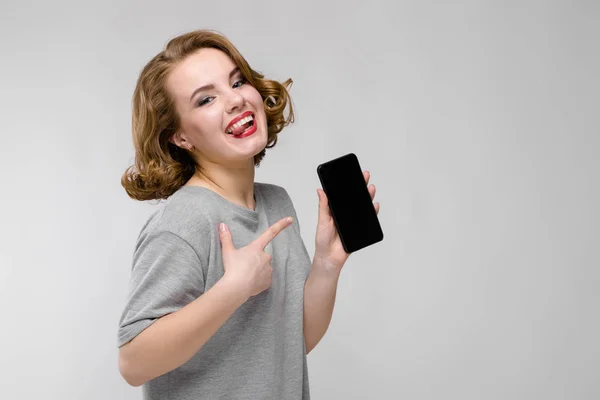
<point>250,267</point>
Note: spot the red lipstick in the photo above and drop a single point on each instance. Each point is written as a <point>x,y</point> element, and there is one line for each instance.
<point>238,118</point>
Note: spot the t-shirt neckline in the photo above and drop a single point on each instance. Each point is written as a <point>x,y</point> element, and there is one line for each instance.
<point>243,211</point>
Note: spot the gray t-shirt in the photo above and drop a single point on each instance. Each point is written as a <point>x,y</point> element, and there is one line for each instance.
<point>259,353</point>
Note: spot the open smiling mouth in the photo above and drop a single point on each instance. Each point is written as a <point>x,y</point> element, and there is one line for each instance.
<point>244,127</point>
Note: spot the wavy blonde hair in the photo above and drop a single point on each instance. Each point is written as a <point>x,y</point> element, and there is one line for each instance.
<point>161,167</point>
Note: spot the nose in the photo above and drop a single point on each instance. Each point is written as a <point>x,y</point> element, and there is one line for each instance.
<point>234,100</point>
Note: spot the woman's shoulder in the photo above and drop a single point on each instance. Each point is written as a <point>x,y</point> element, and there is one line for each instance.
<point>276,199</point>
<point>185,211</point>
<point>273,193</point>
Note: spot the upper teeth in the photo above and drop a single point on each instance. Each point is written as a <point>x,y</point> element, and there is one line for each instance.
<point>240,123</point>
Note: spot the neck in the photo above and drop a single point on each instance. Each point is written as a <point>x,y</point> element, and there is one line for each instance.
<point>236,184</point>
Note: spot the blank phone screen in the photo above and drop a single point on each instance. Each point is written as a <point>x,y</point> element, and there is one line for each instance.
<point>350,202</point>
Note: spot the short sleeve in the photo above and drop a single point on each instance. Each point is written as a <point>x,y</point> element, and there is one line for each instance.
<point>291,210</point>
<point>166,275</point>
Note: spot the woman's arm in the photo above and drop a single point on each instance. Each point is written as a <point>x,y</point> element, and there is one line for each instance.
<point>173,339</point>
<point>321,286</point>
<point>319,298</point>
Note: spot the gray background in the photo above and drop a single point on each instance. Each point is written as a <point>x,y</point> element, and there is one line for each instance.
<point>478,121</point>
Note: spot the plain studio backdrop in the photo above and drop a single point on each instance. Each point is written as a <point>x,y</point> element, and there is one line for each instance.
<point>478,121</point>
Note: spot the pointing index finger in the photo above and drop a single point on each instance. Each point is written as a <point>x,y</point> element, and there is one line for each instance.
<point>271,232</point>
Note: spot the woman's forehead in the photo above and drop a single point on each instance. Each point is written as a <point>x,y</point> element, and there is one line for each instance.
<point>203,67</point>
<point>211,63</point>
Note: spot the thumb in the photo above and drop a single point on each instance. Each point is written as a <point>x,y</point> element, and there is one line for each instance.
<point>324,212</point>
<point>226,240</point>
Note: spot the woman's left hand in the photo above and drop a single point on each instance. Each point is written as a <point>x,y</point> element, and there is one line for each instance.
<point>329,251</point>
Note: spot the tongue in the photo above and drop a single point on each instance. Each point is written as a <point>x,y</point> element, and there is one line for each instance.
<point>240,129</point>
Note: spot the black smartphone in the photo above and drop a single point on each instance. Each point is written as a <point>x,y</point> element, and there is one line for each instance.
<point>350,202</point>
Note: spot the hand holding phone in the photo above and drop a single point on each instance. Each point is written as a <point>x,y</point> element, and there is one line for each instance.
<point>350,203</point>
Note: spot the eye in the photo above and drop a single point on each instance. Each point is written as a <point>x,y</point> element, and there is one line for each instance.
<point>239,83</point>
<point>204,100</point>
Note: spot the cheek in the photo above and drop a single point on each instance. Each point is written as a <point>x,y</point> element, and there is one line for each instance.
<point>257,102</point>
<point>201,123</point>
<point>210,119</point>
<point>253,96</point>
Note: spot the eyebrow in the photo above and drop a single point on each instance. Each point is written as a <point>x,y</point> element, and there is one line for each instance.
<point>211,86</point>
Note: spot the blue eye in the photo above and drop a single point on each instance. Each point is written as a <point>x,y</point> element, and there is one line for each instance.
<point>204,100</point>
<point>240,81</point>
<point>209,99</point>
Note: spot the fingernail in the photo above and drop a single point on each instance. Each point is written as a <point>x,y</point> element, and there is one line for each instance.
<point>222,227</point>
<point>289,219</point>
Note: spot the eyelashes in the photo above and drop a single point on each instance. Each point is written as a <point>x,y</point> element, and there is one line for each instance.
<point>208,99</point>
<point>241,81</point>
<point>204,100</point>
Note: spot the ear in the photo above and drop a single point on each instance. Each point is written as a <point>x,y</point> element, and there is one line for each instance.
<point>179,140</point>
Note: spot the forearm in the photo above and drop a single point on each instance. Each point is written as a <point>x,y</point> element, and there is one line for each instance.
<point>173,339</point>
<point>319,299</point>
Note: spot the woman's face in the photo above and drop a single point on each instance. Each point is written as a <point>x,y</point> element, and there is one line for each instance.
<point>221,115</point>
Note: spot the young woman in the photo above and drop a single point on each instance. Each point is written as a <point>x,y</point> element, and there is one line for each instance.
<point>224,299</point>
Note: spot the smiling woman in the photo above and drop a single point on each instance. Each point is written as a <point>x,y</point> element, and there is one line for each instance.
<point>170,90</point>
<point>229,313</point>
